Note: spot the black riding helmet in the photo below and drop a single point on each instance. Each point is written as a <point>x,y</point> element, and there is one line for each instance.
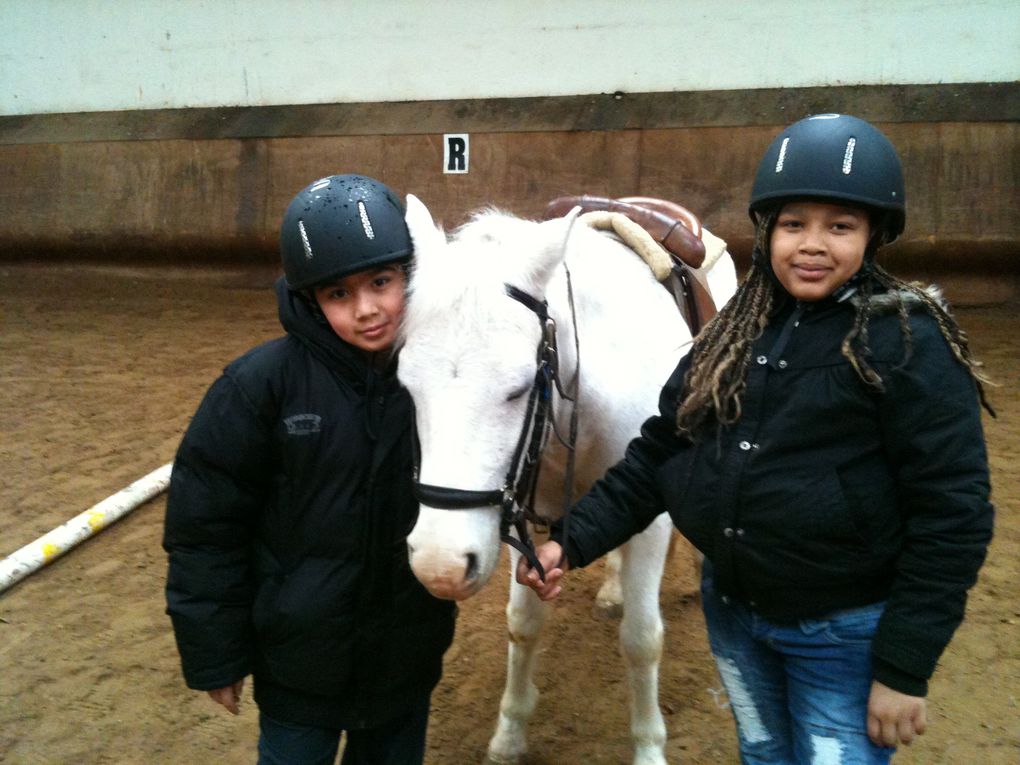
<point>339,225</point>
<point>833,157</point>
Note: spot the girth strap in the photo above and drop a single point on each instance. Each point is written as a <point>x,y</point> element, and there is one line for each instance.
<point>692,298</point>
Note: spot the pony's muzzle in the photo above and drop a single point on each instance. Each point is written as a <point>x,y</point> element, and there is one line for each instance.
<point>447,576</point>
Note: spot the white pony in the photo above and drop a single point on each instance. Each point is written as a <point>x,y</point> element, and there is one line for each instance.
<point>469,362</point>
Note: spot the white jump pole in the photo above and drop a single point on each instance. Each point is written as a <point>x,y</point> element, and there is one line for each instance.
<point>53,544</point>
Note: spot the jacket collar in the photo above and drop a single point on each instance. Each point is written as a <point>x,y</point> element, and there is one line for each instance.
<point>889,301</point>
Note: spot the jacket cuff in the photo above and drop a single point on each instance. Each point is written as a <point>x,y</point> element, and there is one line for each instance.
<point>556,535</point>
<point>894,677</point>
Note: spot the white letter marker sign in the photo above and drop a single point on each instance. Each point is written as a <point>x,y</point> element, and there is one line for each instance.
<point>456,152</point>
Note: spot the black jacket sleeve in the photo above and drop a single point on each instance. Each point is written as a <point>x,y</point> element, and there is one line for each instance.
<point>934,441</point>
<point>624,501</point>
<point>217,487</point>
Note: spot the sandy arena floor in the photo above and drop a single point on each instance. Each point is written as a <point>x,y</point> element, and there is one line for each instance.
<point>100,371</point>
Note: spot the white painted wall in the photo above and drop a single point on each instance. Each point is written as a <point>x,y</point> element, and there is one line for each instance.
<point>97,55</point>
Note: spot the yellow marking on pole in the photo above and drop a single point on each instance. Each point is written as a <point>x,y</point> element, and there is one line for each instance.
<point>50,551</point>
<point>97,519</point>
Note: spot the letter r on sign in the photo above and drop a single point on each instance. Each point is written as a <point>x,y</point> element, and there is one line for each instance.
<point>455,152</point>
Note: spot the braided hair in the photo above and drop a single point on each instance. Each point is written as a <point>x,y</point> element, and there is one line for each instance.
<point>721,353</point>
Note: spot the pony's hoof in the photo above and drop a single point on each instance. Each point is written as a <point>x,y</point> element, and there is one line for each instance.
<point>506,749</point>
<point>510,759</point>
<point>650,757</point>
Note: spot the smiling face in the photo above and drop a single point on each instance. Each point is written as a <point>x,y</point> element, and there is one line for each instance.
<point>816,247</point>
<point>364,308</point>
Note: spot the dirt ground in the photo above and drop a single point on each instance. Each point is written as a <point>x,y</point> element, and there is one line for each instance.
<point>100,371</point>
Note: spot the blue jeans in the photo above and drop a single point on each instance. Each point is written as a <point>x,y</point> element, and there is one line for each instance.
<point>399,742</point>
<point>798,691</point>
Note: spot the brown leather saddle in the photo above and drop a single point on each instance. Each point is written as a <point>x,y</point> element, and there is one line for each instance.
<point>672,226</point>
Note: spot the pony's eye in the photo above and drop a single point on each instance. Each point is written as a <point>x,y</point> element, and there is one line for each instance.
<point>517,393</point>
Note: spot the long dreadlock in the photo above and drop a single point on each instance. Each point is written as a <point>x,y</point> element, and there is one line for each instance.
<point>721,354</point>
<point>722,351</point>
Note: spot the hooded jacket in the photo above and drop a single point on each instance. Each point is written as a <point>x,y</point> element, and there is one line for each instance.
<point>288,509</point>
<point>826,494</point>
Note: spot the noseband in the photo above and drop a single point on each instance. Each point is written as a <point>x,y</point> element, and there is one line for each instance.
<point>516,498</point>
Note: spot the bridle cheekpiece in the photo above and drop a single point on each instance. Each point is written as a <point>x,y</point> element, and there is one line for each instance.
<point>516,498</point>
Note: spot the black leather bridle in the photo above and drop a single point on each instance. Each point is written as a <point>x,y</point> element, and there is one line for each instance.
<point>516,498</point>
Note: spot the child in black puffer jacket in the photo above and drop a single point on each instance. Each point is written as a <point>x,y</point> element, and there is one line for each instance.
<point>290,501</point>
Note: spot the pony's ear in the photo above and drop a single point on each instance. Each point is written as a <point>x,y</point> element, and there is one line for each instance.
<point>424,234</point>
<point>554,234</point>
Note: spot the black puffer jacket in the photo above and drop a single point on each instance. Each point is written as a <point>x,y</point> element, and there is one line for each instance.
<point>825,494</point>
<point>286,522</point>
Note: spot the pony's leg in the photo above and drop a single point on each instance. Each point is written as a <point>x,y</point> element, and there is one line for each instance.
<point>525,616</point>
<point>609,600</point>
<point>643,558</point>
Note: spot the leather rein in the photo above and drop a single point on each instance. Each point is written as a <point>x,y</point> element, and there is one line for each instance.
<point>516,498</point>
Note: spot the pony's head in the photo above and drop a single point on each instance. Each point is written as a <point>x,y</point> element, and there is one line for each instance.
<point>468,358</point>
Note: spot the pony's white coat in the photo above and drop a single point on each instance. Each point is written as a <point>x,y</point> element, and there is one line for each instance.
<point>469,353</point>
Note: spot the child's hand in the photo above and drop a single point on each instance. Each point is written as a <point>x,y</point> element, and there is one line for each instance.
<point>229,697</point>
<point>550,555</point>
<point>894,717</point>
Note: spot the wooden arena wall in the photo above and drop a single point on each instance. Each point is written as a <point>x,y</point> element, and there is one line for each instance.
<point>187,186</point>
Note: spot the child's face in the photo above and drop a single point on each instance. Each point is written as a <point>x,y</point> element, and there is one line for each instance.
<point>816,247</point>
<point>365,308</point>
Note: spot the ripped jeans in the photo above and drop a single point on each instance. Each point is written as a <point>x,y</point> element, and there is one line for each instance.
<point>799,692</point>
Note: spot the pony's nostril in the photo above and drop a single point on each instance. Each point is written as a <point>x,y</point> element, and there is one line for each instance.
<point>471,571</point>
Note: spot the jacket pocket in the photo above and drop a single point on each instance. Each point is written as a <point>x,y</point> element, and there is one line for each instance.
<point>304,624</point>
<point>415,652</point>
<point>853,626</point>
<point>806,534</point>
<point>833,514</point>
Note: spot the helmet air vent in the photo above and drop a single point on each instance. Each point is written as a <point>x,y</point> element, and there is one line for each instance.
<point>365,222</point>
<point>782,155</point>
<point>848,156</point>
<point>304,239</point>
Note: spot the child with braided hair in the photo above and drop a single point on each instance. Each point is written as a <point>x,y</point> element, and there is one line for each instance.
<point>822,446</point>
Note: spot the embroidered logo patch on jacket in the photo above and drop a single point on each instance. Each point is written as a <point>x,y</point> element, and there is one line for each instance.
<point>303,424</point>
